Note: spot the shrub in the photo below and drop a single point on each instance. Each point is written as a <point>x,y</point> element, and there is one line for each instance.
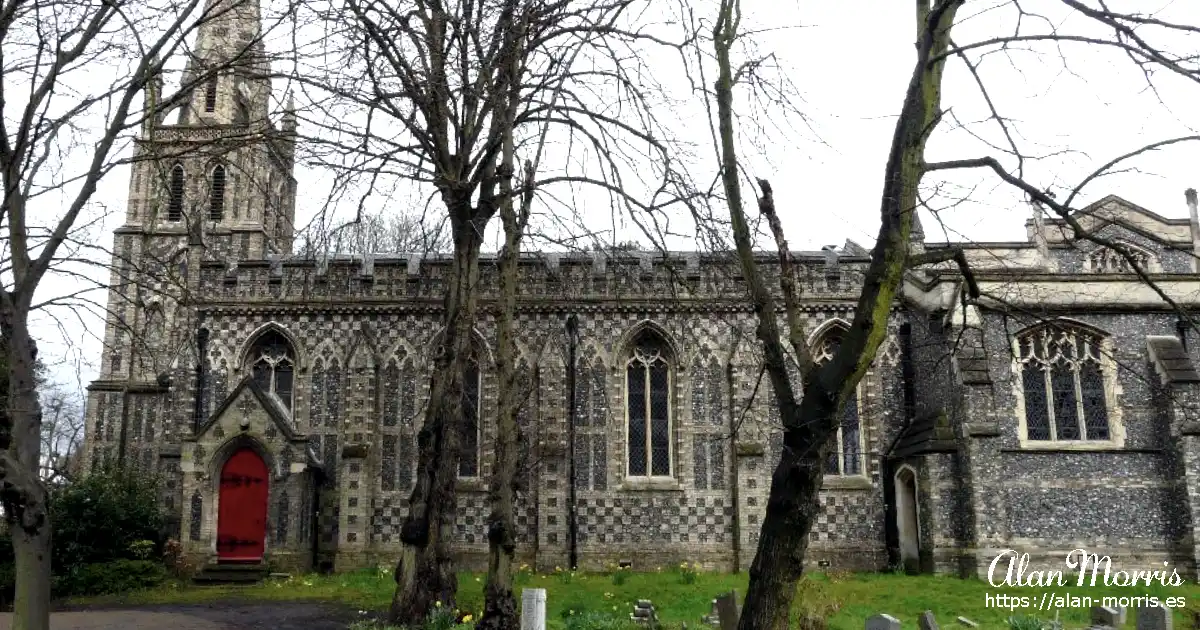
<point>688,572</point>
<point>111,514</point>
<point>117,576</point>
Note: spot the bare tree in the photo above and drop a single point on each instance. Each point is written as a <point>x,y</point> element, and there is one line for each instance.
<point>77,70</point>
<point>434,95</point>
<point>62,432</point>
<point>809,414</point>
<point>375,232</point>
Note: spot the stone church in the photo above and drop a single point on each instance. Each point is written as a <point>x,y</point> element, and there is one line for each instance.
<point>279,396</point>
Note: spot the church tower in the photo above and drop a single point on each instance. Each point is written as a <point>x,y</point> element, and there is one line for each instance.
<point>211,179</point>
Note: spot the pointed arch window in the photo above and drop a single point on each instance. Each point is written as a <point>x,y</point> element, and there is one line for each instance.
<point>847,454</point>
<point>648,407</point>
<point>1063,379</point>
<point>216,194</point>
<point>175,194</point>
<point>272,363</point>
<point>210,94</point>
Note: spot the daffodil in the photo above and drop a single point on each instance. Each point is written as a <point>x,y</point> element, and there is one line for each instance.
<point>468,618</point>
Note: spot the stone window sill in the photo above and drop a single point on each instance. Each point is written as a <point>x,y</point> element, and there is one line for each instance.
<point>849,482</point>
<point>642,484</point>
<point>1071,445</point>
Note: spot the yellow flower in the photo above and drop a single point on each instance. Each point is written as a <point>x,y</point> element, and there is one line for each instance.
<point>437,604</point>
<point>476,578</point>
<point>570,612</point>
<point>468,618</point>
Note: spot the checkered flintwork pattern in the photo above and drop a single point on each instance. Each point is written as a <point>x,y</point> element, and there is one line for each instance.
<point>471,521</point>
<point>655,519</point>
<point>363,379</point>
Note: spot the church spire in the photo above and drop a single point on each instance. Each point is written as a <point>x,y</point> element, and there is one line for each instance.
<point>228,71</point>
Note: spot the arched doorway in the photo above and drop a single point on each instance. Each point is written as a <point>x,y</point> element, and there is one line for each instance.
<point>907,523</point>
<point>242,507</point>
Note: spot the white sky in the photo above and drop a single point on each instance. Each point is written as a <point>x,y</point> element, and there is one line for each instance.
<point>851,62</point>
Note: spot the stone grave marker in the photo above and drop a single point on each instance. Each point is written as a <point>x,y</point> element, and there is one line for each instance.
<point>729,610</point>
<point>882,622</point>
<point>1154,618</point>
<point>533,609</point>
<point>643,614</point>
<point>926,621</point>
<point>1104,616</point>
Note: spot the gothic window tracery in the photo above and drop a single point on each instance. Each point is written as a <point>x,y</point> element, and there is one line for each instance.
<point>272,361</point>
<point>648,391</point>
<point>1062,375</point>
<point>1110,260</point>
<point>846,458</point>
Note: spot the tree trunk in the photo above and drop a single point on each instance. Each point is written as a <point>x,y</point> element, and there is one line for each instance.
<point>425,572</point>
<point>23,494</point>
<point>792,509</point>
<point>793,502</point>
<point>500,606</point>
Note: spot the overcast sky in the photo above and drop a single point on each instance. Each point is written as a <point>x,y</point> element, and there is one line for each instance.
<point>850,62</point>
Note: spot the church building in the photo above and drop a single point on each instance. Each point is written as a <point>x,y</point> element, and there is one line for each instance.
<point>279,396</point>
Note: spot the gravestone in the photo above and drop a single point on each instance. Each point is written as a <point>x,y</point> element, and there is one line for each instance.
<point>643,614</point>
<point>533,609</point>
<point>882,622</point>
<point>1154,618</point>
<point>729,610</point>
<point>1105,616</point>
<point>926,621</point>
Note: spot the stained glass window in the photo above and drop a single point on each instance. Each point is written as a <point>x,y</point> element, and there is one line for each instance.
<point>271,362</point>
<point>1062,379</point>
<point>648,390</point>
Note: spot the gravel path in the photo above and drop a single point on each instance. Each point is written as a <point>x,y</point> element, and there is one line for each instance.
<point>211,616</point>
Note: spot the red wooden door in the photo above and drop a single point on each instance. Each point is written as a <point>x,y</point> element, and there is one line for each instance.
<point>242,511</point>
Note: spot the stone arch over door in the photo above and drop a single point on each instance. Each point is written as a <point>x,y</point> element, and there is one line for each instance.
<point>908,522</point>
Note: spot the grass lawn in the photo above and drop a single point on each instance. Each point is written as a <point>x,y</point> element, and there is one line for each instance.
<point>851,597</point>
